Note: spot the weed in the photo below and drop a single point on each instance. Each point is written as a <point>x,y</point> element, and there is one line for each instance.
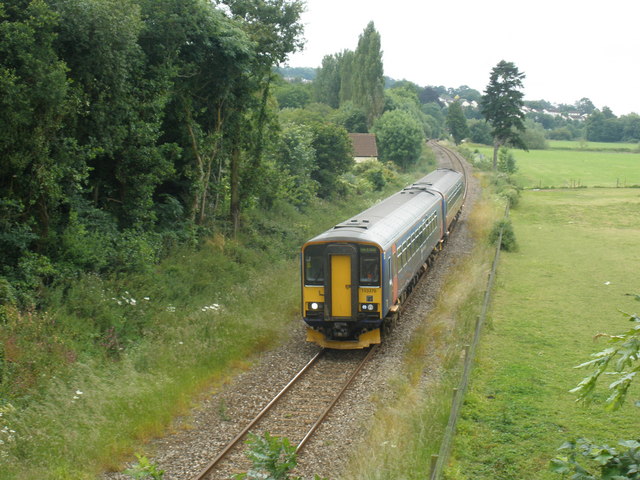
<point>145,469</point>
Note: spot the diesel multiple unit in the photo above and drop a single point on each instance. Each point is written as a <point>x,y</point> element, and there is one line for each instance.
<point>356,275</point>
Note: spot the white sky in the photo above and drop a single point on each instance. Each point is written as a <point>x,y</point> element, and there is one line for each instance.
<point>568,49</point>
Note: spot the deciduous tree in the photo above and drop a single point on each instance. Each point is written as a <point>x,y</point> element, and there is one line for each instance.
<point>457,123</point>
<point>400,137</point>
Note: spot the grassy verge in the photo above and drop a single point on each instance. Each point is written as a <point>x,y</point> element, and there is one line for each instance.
<point>578,256</point>
<point>174,332</point>
<point>409,430</point>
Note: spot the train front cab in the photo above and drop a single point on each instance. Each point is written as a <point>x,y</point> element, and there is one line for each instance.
<point>342,294</point>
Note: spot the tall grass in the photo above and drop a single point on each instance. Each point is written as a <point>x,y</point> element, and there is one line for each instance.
<point>196,319</point>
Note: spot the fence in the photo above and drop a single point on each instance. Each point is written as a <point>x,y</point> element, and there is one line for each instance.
<point>438,461</point>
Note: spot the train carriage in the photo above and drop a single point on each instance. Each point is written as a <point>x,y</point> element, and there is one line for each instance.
<point>356,274</point>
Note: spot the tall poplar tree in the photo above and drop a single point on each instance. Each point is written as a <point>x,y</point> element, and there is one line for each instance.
<point>327,83</point>
<point>502,105</point>
<point>368,79</point>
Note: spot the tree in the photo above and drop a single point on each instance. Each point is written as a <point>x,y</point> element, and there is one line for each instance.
<point>584,106</point>
<point>274,28</point>
<point>502,105</point>
<point>347,65</point>
<point>352,118</point>
<point>334,155</point>
<point>368,78</point>
<point>293,94</point>
<point>400,137</point>
<point>38,165</point>
<point>119,120</point>
<point>480,132</point>
<point>326,86</point>
<point>603,126</point>
<point>457,123</point>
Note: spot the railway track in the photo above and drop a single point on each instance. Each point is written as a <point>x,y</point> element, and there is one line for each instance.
<point>454,159</point>
<point>297,410</point>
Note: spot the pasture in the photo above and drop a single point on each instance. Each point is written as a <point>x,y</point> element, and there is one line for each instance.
<point>578,256</point>
<point>560,167</point>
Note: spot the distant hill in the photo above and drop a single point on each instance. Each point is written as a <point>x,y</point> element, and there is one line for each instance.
<point>292,73</point>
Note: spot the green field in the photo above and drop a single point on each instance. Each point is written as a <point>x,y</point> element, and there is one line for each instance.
<point>561,168</point>
<point>584,145</point>
<point>579,255</point>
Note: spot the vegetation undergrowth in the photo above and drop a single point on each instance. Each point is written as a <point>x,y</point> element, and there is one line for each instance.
<point>115,358</point>
<point>409,429</point>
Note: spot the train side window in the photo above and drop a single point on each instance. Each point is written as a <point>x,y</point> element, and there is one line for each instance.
<point>369,266</point>
<point>314,265</point>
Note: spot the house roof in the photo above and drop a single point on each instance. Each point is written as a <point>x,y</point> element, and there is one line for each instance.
<point>364,144</point>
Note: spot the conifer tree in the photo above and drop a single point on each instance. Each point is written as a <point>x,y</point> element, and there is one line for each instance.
<point>502,105</point>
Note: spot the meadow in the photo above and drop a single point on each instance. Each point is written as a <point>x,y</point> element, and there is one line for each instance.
<point>578,257</point>
<point>561,166</point>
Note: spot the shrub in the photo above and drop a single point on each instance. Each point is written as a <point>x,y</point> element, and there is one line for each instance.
<point>508,243</point>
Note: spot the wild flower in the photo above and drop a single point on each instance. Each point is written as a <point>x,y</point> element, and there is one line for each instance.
<point>171,308</point>
<point>213,307</point>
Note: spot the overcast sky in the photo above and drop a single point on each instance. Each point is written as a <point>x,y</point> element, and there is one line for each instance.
<point>568,49</point>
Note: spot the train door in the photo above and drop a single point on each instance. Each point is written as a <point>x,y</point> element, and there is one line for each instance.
<point>343,285</point>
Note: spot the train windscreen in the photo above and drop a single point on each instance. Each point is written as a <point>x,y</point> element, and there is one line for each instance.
<point>314,265</point>
<point>369,266</point>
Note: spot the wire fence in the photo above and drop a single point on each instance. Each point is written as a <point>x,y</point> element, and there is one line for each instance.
<point>439,461</point>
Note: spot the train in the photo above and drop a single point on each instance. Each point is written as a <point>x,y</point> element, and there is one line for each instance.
<point>356,276</point>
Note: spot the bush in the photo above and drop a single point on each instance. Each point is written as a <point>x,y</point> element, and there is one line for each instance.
<point>506,161</point>
<point>376,173</point>
<point>505,188</point>
<point>508,243</point>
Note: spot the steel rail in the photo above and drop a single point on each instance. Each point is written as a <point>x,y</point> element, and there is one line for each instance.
<point>258,417</point>
<point>326,411</point>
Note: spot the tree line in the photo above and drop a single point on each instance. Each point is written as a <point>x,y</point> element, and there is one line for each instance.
<point>131,126</point>
<point>128,125</point>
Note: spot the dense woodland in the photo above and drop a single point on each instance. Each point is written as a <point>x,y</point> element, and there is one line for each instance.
<point>130,126</point>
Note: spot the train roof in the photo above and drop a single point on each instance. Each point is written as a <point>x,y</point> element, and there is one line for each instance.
<point>381,223</point>
<point>442,180</point>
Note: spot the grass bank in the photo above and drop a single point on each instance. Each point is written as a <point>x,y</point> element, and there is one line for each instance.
<point>175,332</point>
<point>578,257</point>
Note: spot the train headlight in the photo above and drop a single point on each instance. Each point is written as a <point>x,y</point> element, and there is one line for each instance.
<point>315,306</point>
<point>368,307</point>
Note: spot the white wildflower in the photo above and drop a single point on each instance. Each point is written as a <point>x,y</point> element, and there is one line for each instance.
<point>146,298</point>
<point>171,309</point>
<point>79,392</point>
